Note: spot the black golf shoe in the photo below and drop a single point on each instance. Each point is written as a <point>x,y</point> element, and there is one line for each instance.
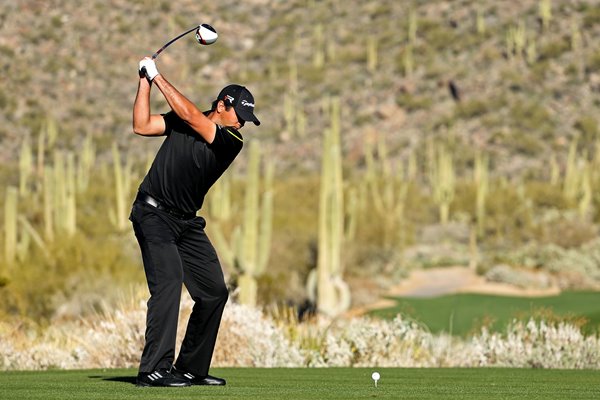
<point>198,380</point>
<point>161,377</point>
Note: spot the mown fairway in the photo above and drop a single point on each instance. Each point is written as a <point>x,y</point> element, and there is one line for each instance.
<point>461,314</point>
<point>331,383</point>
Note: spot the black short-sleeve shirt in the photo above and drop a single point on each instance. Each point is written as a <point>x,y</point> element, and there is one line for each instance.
<point>186,166</point>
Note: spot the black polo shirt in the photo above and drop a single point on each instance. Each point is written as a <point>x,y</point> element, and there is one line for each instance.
<point>186,166</point>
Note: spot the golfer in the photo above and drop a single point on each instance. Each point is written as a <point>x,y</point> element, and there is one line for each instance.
<point>197,149</point>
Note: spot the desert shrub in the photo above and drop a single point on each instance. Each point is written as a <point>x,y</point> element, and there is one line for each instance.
<point>593,63</point>
<point>546,195</point>
<point>536,345</point>
<point>472,109</point>
<point>524,142</point>
<point>591,17</point>
<point>576,268</point>
<point>531,116</point>
<point>508,214</point>
<point>251,338</point>
<point>554,49</point>
<point>587,125</point>
<point>583,261</point>
<point>503,273</point>
<point>564,229</point>
<point>412,102</point>
<point>438,35</point>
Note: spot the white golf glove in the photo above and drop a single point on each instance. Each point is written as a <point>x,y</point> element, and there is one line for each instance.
<point>148,67</point>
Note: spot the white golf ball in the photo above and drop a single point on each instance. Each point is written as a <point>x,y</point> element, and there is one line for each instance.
<point>375,376</point>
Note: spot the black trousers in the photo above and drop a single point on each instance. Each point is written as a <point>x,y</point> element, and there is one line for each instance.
<point>176,251</point>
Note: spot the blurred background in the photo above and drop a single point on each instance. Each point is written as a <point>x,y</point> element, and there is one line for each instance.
<point>415,148</point>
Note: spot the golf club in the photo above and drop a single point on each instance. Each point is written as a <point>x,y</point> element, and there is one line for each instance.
<point>205,35</point>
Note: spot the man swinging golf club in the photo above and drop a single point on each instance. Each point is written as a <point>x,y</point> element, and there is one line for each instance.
<point>197,149</point>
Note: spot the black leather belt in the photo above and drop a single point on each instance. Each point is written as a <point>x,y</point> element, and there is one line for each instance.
<point>146,198</point>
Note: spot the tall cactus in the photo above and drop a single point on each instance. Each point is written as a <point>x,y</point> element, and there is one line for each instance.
<point>412,26</point>
<point>71,204</point>
<point>319,49</point>
<point>219,206</point>
<point>570,183</point>
<point>577,186</point>
<point>85,164</point>
<point>48,202</point>
<point>577,48</point>
<point>480,21</point>
<point>441,178</point>
<point>545,13</point>
<point>62,187</point>
<point>585,192</point>
<point>388,189</point>
<point>372,53</point>
<point>481,185</point>
<point>26,167</point>
<point>122,179</point>
<point>332,293</point>
<point>516,39</point>
<point>41,153</point>
<point>249,247</point>
<point>10,225</point>
<point>256,231</point>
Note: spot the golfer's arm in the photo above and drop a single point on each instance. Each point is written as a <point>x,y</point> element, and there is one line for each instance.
<point>144,123</point>
<point>186,110</point>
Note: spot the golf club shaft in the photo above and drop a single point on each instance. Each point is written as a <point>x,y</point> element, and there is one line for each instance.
<point>171,41</point>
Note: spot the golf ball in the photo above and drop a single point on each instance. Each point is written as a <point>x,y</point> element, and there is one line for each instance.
<point>375,376</point>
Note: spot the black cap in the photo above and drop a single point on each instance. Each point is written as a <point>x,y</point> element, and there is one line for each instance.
<point>242,101</point>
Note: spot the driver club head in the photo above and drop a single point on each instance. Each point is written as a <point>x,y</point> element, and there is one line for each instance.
<point>206,34</point>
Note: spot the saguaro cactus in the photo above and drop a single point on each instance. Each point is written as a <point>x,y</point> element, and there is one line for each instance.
<point>86,161</point>
<point>372,53</point>
<point>442,179</point>
<point>480,21</point>
<point>10,225</point>
<point>481,179</point>
<point>545,13</point>
<point>63,192</point>
<point>248,249</point>
<point>26,167</point>
<point>256,231</point>
<point>332,293</point>
<point>388,189</point>
<point>219,206</point>
<point>48,200</point>
<point>122,176</point>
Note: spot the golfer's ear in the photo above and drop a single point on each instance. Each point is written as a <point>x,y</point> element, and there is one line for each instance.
<point>221,106</point>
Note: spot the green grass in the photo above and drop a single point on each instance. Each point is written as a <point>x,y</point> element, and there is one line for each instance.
<point>329,383</point>
<point>462,314</point>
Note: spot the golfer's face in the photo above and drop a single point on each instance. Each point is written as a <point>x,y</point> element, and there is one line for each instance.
<point>230,118</point>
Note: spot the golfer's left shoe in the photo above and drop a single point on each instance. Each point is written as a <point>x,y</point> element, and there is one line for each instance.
<point>198,380</point>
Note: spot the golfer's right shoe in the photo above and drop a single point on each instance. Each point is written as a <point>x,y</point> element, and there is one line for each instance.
<point>161,377</point>
<point>207,380</point>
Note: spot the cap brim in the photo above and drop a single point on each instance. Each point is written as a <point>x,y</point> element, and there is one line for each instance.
<point>247,116</point>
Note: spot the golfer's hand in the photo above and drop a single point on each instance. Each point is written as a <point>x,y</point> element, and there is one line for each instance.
<point>148,68</point>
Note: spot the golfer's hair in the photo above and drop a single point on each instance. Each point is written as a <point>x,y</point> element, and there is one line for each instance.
<point>226,102</point>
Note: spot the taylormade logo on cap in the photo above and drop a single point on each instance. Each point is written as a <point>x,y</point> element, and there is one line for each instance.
<point>242,101</point>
